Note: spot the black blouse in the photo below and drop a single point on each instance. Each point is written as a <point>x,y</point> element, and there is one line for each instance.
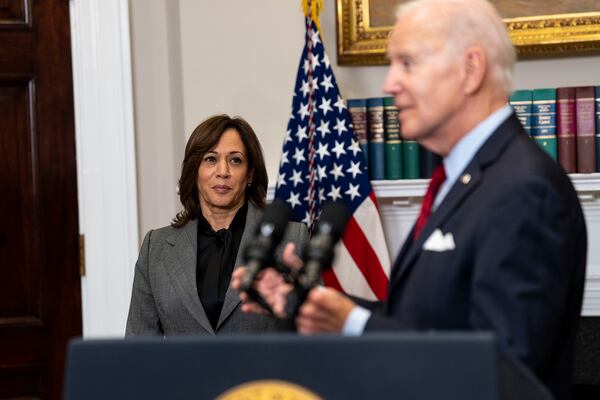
<point>216,256</point>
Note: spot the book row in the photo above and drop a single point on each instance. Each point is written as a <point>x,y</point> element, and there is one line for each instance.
<point>565,122</point>
<point>376,126</point>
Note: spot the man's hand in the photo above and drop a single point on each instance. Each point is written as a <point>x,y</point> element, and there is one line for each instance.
<point>269,284</point>
<point>324,311</point>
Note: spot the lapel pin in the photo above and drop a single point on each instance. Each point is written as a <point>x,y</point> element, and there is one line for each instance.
<point>465,179</point>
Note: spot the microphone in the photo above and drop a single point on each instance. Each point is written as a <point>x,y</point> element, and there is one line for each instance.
<point>258,253</point>
<point>318,254</point>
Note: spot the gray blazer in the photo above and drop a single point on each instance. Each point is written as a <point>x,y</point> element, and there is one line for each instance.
<point>165,300</point>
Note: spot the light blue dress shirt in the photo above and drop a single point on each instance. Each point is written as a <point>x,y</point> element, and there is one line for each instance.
<point>454,164</point>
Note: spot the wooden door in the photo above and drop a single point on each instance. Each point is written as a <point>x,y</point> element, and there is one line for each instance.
<point>40,295</point>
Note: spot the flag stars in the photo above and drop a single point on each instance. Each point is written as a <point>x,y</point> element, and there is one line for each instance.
<point>306,219</point>
<point>284,158</point>
<point>325,60</point>
<point>325,106</point>
<point>334,193</point>
<point>294,199</point>
<point>288,137</point>
<point>281,180</point>
<point>353,191</point>
<point>315,83</point>
<point>354,147</point>
<point>322,151</point>
<point>301,134</point>
<point>338,149</point>
<point>303,112</point>
<point>322,197</point>
<point>340,104</point>
<point>321,173</point>
<point>336,171</point>
<point>340,126</point>
<point>296,178</point>
<point>327,83</point>
<point>298,155</point>
<point>354,169</point>
<point>305,66</point>
<point>324,128</point>
<point>315,37</point>
<point>315,61</point>
<point>304,88</point>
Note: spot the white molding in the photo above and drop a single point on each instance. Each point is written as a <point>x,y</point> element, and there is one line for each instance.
<point>583,183</point>
<point>106,171</point>
<point>399,200</point>
<point>591,296</point>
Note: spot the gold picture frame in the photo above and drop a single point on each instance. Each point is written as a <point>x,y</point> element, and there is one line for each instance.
<point>360,43</point>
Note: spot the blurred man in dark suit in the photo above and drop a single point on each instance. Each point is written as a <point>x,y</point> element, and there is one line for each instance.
<point>500,243</point>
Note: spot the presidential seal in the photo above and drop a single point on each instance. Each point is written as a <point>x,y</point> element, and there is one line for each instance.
<point>268,390</point>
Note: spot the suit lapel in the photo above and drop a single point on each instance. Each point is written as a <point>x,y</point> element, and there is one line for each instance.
<point>180,263</point>
<point>232,297</point>
<point>461,189</point>
<point>453,200</point>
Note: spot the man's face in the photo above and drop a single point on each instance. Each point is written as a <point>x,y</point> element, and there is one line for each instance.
<point>424,78</point>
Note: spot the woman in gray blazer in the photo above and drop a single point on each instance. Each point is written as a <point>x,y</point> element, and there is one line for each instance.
<point>183,273</point>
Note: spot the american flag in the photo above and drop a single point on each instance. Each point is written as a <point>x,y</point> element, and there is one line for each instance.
<point>322,161</point>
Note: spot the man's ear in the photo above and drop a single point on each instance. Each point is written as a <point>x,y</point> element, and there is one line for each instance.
<point>475,69</point>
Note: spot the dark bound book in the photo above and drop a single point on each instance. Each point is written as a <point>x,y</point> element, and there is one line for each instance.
<point>597,128</point>
<point>358,114</point>
<point>393,144</point>
<point>586,129</point>
<point>566,129</point>
<point>376,138</point>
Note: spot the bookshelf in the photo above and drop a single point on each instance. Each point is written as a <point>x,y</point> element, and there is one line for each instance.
<point>585,184</point>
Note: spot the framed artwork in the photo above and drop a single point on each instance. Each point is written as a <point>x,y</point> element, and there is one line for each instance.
<point>537,27</point>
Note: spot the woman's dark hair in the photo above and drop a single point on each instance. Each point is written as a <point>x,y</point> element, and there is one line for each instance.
<point>203,139</point>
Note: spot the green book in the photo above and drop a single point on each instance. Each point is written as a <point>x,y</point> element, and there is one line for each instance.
<point>521,102</point>
<point>543,124</point>
<point>393,144</point>
<point>410,158</point>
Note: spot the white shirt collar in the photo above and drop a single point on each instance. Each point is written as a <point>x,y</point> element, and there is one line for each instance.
<point>463,152</point>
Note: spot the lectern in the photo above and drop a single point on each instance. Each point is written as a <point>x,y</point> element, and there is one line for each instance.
<point>377,366</point>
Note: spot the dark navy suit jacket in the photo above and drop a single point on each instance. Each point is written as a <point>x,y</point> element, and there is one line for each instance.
<point>518,263</point>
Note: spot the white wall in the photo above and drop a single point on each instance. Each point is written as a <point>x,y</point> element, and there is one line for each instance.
<point>240,57</point>
<point>158,99</point>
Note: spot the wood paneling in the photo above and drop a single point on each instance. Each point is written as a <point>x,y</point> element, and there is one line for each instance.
<point>40,299</point>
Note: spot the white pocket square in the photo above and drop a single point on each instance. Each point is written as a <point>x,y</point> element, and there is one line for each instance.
<point>439,241</point>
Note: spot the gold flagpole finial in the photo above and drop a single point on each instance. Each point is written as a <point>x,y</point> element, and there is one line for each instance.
<point>312,9</point>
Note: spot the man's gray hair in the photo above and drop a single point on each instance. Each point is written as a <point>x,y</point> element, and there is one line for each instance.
<point>471,22</point>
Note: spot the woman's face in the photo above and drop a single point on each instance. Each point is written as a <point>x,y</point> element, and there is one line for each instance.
<point>224,173</point>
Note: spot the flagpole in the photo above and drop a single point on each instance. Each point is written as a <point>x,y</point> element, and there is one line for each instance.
<point>311,123</point>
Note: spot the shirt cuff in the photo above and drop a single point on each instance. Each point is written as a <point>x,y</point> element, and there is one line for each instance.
<point>356,321</point>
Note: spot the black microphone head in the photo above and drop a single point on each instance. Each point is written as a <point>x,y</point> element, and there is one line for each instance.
<point>274,221</point>
<point>333,219</point>
<point>269,232</point>
<point>258,252</point>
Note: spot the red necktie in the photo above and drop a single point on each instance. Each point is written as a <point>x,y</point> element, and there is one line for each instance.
<point>437,178</point>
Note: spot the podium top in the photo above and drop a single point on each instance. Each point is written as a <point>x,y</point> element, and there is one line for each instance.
<point>402,365</point>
